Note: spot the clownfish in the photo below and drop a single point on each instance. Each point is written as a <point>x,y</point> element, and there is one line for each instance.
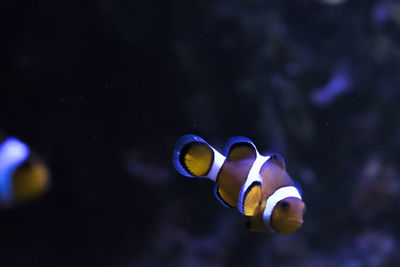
<point>257,186</point>
<point>23,175</point>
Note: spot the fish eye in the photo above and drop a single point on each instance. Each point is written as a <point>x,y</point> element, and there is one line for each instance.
<point>284,205</point>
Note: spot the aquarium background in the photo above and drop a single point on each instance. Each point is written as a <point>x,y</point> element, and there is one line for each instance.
<point>103,89</point>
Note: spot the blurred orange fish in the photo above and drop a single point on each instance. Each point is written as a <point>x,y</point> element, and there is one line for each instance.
<point>23,175</point>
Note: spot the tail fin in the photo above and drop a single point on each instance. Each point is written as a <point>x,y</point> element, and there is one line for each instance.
<point>194,157</point>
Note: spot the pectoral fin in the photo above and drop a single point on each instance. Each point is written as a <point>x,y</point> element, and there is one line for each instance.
<point>252,199</point>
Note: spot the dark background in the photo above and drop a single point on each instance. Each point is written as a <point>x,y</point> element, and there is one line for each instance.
<point>103,89</point>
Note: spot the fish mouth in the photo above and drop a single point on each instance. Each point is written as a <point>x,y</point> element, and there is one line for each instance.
<point>294,222</point>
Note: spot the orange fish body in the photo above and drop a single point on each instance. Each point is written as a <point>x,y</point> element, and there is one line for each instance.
<point>258,186</point>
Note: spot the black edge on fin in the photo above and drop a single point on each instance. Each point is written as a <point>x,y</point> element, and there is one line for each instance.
<point>218,196</point>
<point>278,160</point>
<point>255,183</point>
<point>180,144</point>
<point>184,151</point>
<point>239,147</point>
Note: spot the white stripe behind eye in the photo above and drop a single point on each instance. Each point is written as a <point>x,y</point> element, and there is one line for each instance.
<point>254,175</point>
<point>278,195</point>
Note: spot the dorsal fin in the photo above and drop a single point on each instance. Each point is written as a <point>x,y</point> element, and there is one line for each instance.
<point>239,148</point>
<point>278,160</point>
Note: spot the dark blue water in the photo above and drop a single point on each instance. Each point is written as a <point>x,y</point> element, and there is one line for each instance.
<point>102,90</point>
